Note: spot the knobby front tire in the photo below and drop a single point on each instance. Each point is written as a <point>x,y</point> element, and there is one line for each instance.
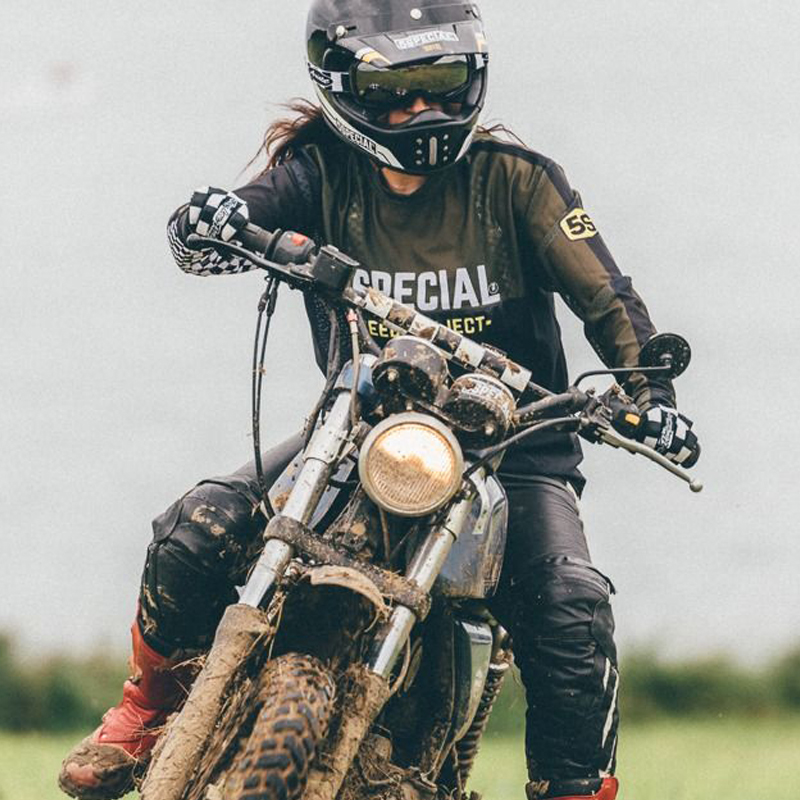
<point>298,695</point>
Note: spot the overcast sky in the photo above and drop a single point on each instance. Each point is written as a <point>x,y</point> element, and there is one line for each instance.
<point>124,381</point>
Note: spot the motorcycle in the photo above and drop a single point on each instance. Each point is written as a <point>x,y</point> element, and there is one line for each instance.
<point>360,660</point>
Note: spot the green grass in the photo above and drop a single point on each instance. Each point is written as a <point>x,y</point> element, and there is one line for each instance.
<point>735,759</point>
<point>29,765</point>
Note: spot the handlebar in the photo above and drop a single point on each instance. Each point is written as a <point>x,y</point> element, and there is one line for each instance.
<point>295,259</point>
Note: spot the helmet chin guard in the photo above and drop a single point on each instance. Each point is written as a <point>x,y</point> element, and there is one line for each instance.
<point>341,34</point>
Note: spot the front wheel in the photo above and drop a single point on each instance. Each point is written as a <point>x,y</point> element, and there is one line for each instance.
<point>296,700</point>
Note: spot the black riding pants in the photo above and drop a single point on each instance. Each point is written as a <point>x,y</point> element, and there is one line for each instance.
<point>551,599</point>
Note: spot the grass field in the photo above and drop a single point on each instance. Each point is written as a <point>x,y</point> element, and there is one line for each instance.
<point>736,759</point>
<point>750,759</point>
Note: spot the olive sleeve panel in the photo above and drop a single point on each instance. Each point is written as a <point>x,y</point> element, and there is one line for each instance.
<point>574,261</point>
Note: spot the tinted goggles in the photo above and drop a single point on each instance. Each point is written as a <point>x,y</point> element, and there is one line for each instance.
<point>442,80</point>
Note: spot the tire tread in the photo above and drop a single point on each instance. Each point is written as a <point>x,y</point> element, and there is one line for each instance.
<point>297,706</point>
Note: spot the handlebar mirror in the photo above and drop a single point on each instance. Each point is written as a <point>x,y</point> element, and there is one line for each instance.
<point>667,350</point>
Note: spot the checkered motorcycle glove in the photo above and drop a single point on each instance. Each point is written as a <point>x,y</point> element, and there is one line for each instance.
<point>214,213</point>
<point>217,214</point>
<point>669,433</point>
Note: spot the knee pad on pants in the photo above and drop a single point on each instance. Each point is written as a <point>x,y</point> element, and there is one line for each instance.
<point>198,555</point>
<point>567,598</point>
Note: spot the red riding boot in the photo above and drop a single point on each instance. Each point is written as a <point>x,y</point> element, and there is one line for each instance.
<point>102,766</point>
<point>589,789</point>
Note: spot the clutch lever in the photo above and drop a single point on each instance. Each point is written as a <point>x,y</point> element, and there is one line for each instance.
<point>608,436</point>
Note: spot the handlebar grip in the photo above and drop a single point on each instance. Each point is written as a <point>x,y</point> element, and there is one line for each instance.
<point>282,247</point>
<point>257,239</point>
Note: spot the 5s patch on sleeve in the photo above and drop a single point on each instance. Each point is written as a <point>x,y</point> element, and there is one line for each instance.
<point>578,225</point>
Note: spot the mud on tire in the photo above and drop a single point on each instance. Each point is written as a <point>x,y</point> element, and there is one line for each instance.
<point>297,701</point>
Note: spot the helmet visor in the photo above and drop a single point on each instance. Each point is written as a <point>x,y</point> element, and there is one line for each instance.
<point>440,81</point>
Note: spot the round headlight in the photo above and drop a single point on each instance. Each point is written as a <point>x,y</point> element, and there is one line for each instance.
<point>410,464</point>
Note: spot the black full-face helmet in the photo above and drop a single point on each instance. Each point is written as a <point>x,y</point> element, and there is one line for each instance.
<point>367,57</point>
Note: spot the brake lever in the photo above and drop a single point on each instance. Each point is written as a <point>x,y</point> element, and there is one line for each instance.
<point>608,436</point>
<point>291,274</point>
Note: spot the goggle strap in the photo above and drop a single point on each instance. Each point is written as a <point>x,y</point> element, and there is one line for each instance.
<point>326,79</point>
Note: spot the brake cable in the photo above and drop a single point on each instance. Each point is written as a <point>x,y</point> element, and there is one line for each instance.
<point>332,373</point>
<point>352,323</point>
<point>489,454</point>
<point>266,308</point>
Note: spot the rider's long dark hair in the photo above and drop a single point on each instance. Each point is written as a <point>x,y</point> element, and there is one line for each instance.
<point>307,126</point>
<point>287,135</point>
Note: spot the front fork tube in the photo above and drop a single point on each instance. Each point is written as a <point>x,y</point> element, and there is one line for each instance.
<point>319,462</point>
<point>423,570</point>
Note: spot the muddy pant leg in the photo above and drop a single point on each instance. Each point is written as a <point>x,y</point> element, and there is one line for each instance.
<point>201,549</point>
<point>556,605</point>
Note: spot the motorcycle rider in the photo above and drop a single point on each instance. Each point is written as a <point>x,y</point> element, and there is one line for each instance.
<point>478,234</point>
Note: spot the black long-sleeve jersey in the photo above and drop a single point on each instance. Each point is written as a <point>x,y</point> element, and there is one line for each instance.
<point>481,247</point>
